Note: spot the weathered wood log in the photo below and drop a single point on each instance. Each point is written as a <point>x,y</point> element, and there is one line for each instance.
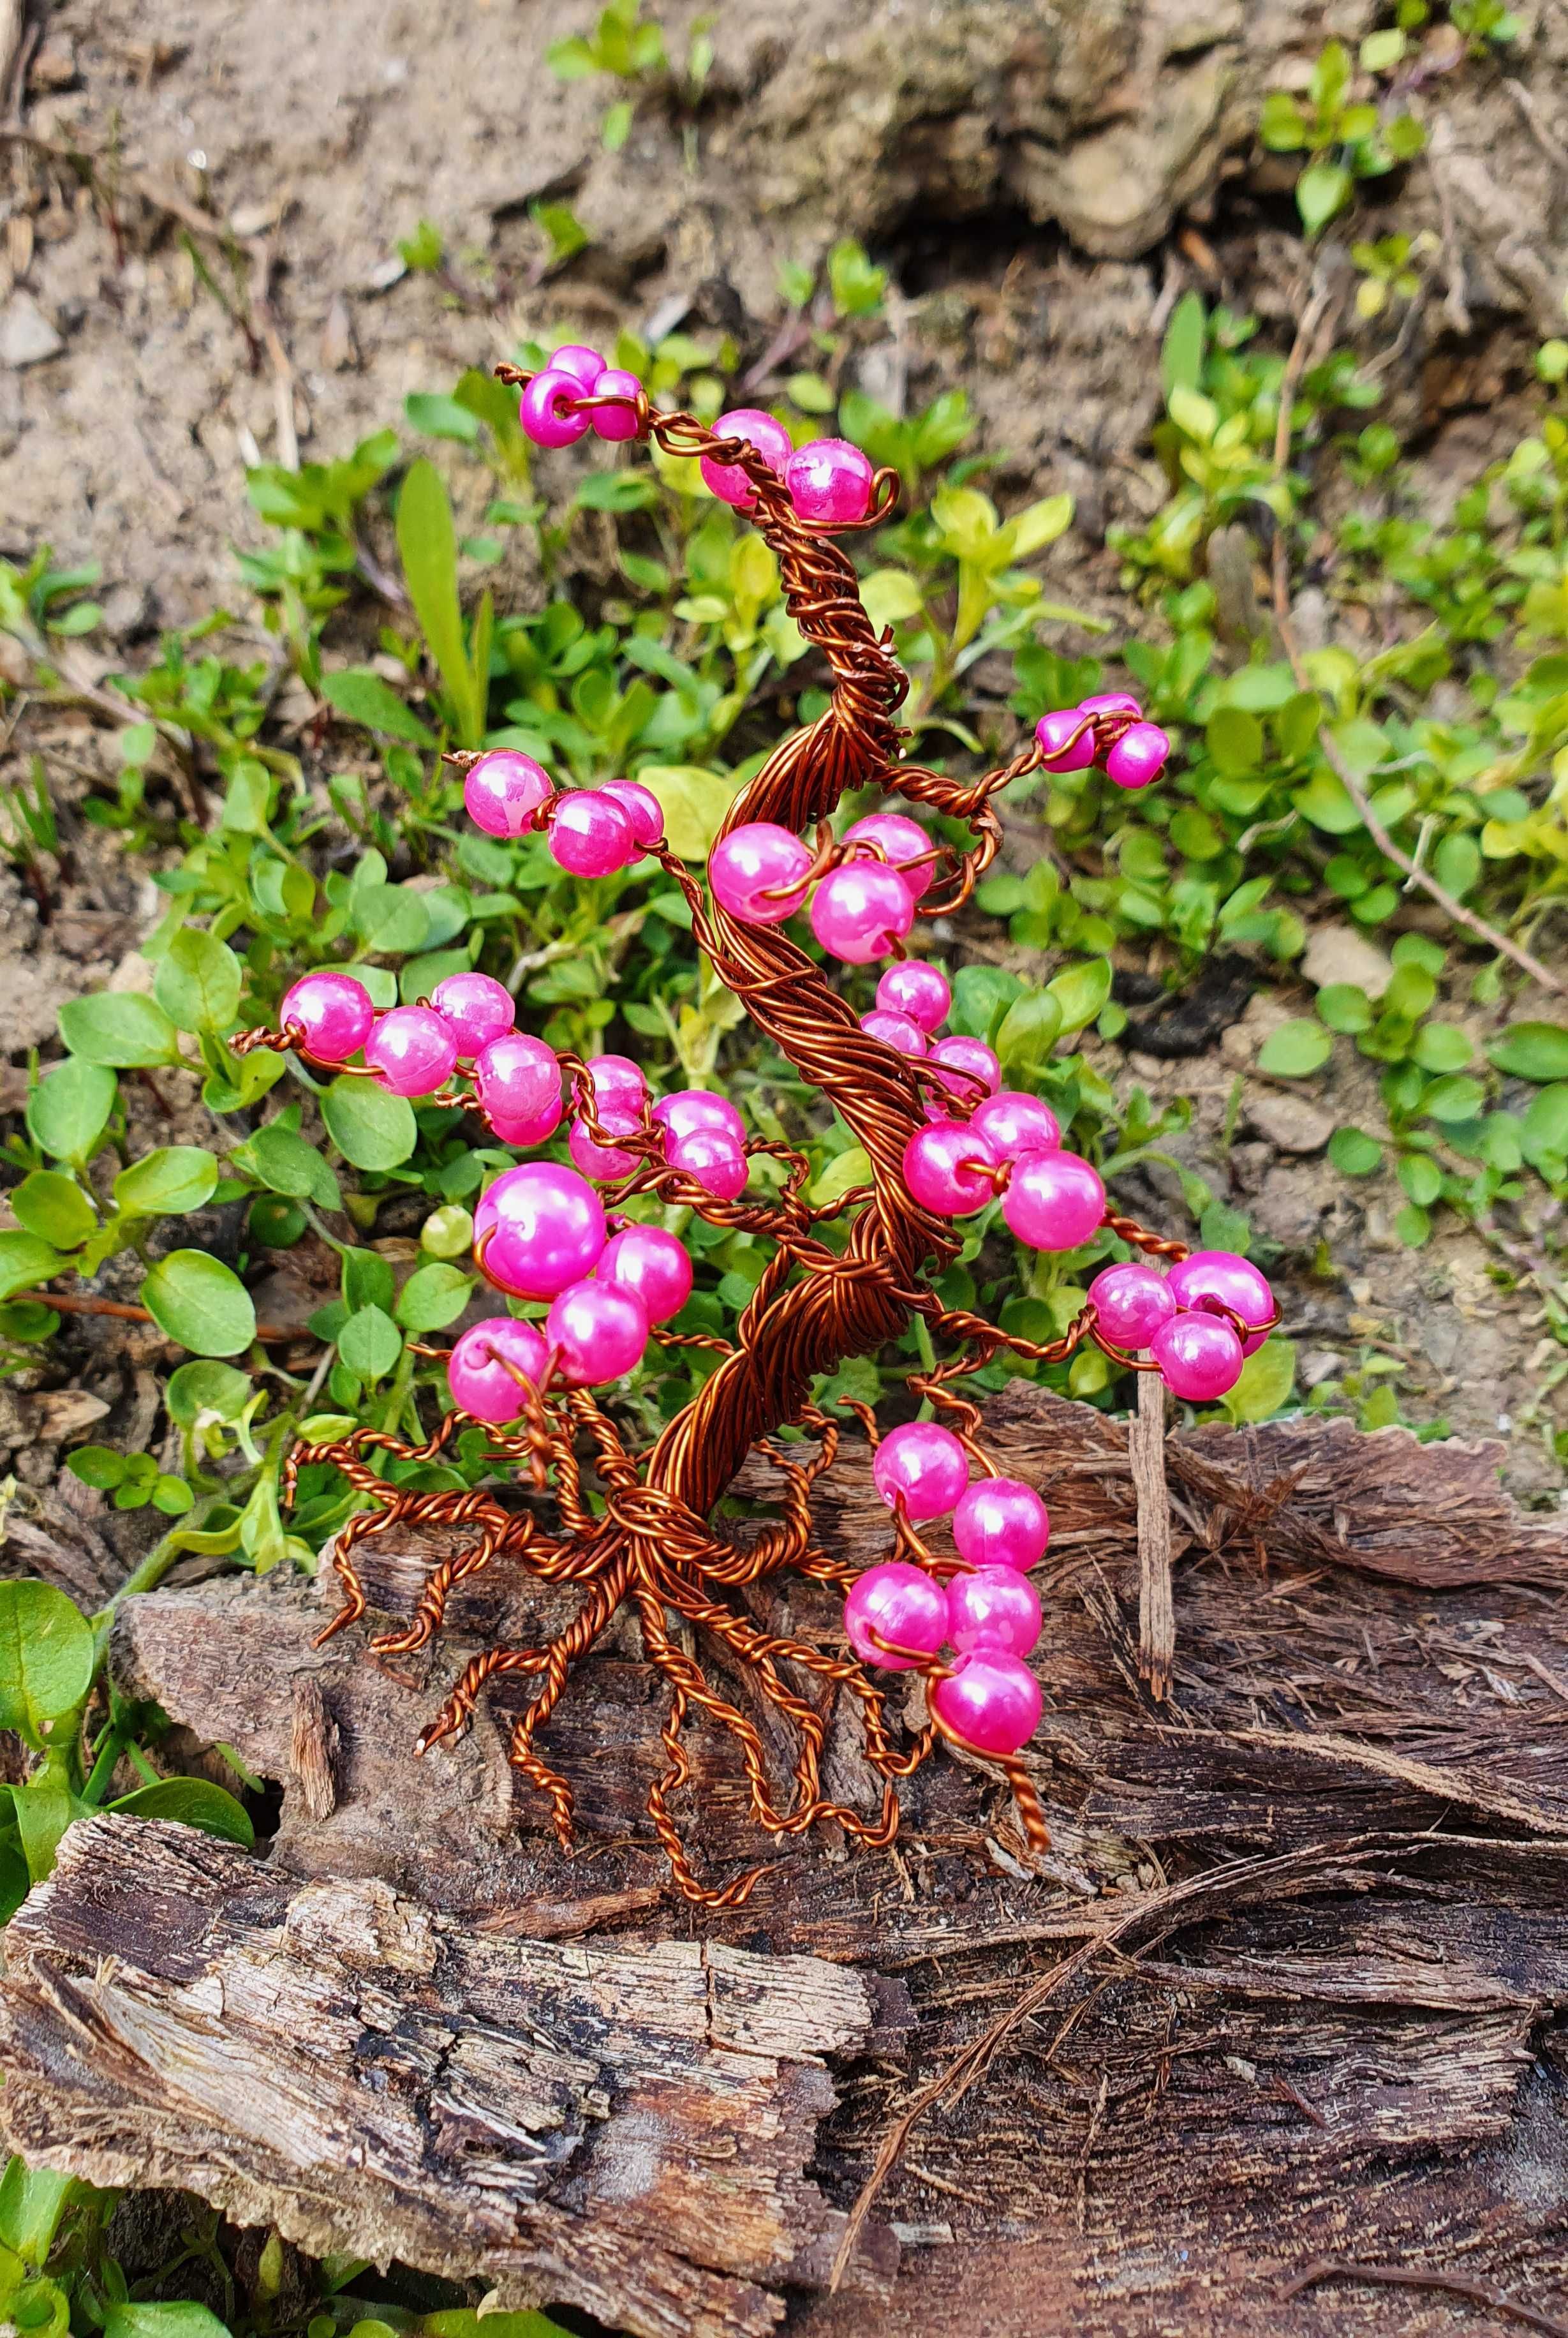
<point>1292,1979</point>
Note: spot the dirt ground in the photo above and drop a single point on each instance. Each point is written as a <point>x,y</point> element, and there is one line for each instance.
<point>221,283</point>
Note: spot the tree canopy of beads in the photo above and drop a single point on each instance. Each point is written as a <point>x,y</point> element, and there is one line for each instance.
<point>942,1137</point>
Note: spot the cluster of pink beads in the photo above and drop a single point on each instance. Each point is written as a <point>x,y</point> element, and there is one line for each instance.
<point>1187,1320</point>
<point>860,911</point>
<point>591,831</point>
<point>829,481</point>
<point>1109,730</point>
<point>539,1232</point>
<point>899,1616</point>
<point>412,1050</point>
<point>698,1132</point>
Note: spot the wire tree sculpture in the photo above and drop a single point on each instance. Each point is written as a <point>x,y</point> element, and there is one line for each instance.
<point>942,1139</point>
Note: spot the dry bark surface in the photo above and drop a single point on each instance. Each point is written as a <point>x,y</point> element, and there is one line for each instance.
<point>1292,1985</point>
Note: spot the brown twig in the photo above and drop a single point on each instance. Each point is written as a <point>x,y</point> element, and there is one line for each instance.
<point>161,199</point>
<point>270,1334</point>
<point>1446,2284</point>
<point>1156,1607</point>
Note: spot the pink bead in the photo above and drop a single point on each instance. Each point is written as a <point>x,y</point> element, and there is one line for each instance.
<point>600,1331</point>
<point>590,835</point>
<point>1054,1201</point>
<point>902,840</point>
<point>517,1079</point>
<point>859,911</point>
<point>895,1031</point>
<point>1012,1123</point>
<point>1139,756</point>
<point>995,1607</point>
<point>968,1069</point>
<point>914,988</point>
<point>543,409</point>
<point>692,1108</point>
<point>990,1701</point>
<point>935,1170</point>
<point>897,1606</point>
<point>829,482</point>
<point>604,1162</point>
<point>585,365</point>
<point>540,1227</point>
<point>618,1081</point>
<point>476,1009</point>
<point>653,1265</point>
<point>1199,1356</point>
<point>754,863</point>
<point>1001,1522</point>
<point>644,812</point>
<point>524,1135</point>
<point>1109,702</point>
<point>333,1012</point>
<point>412,1051</point>
<point>616,422</point>
<point>1219,1275</point>
<point>713,1158</point>
<point>1131,1303</point>
<point>477,1370</point>
<point>502,791</point>
<point>926,1464</point>
<point>1060,750</point>
<point>728,481</point>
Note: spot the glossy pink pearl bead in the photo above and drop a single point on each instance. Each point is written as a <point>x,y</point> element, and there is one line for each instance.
<point>477,1370</point>
<point>754,861</point>
<point>895,1031</point>
<point>524,1135</point>
<point>1132,1301</point>
<point>604,1162</point>
<point>829,482</point>
<point>590,835</point>
<point>990,1701</point>
<point>968,1068</point>
<point>689,1109</point>
<point>926,1464</point>
<point>1235,1283</point>
<point>728,481</point>
<point>599,1332</point>
<point>1139,756</point>
<point>993,1607</point>
<point>502,791</point>
<point>1109,702</point>
<point>644,812</point>
<point>543,409</point>
<point>412,1051</point>
<point>899,1605</point>
<point>935,1170</point>
<point>713,1156</point>
<point>1054,1201</point>
<point>476,1009</point>
<point>616,1081</point>
<point>541,1227</point>
<point>517,1079</point>
<point>1060,750</point>
<point>913,987</point>
<point>616,422</point>
<point>1199,1356</point>
<point>1001,1522</point>
<point>859,911</point>
<point>333,1011</point>
<point>1013,1124</point>
<point>585,365</point>
<point>902,840</point>
<point>653,1265</point>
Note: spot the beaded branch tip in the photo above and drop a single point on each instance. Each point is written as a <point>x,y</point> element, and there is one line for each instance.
<point>632,1528</point>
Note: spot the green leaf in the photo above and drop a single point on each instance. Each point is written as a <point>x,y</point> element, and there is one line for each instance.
<point>1294,1050</point>
<point>1532,1051</point>
<point>694,802</point>
<point>1454,1099</point>
<point>1267,1378</point>
<point>891,595</point>
<point>1439,1047</point>
<point>194,1802</point>
<point>46,1658</point>
<point>199,982</point>
<point>120,1029</point>
<point>32,2202</point>
<point>1421,1178</point>
<point>200,1303</point>
<point>1081,991</point>
<point>1322,190</point>
<point>846,1170</point>
<point>1344,1007</point>
<point>440,416</point>
<point>135,2320</point>
<point>433,1297</point>
<point>1234,739</point>
<point>207,1387</point>
<point>98,1466</point>
<point>1182,351</point>
<point>365,698</point>
<point>1040,524</point>
<point>367,1280</point>
<point>54,1208</point>
<point>281,1159</point>
<point>371,1128</point>
<point>427,545</point>
<point>370,1343</point>
<point>69,1109</point>
<point>1027,1033</point>
<point>1354,1154</point>
<point>1413,1227</point>
<point>24,1261</point>
<point>168,1182</point>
